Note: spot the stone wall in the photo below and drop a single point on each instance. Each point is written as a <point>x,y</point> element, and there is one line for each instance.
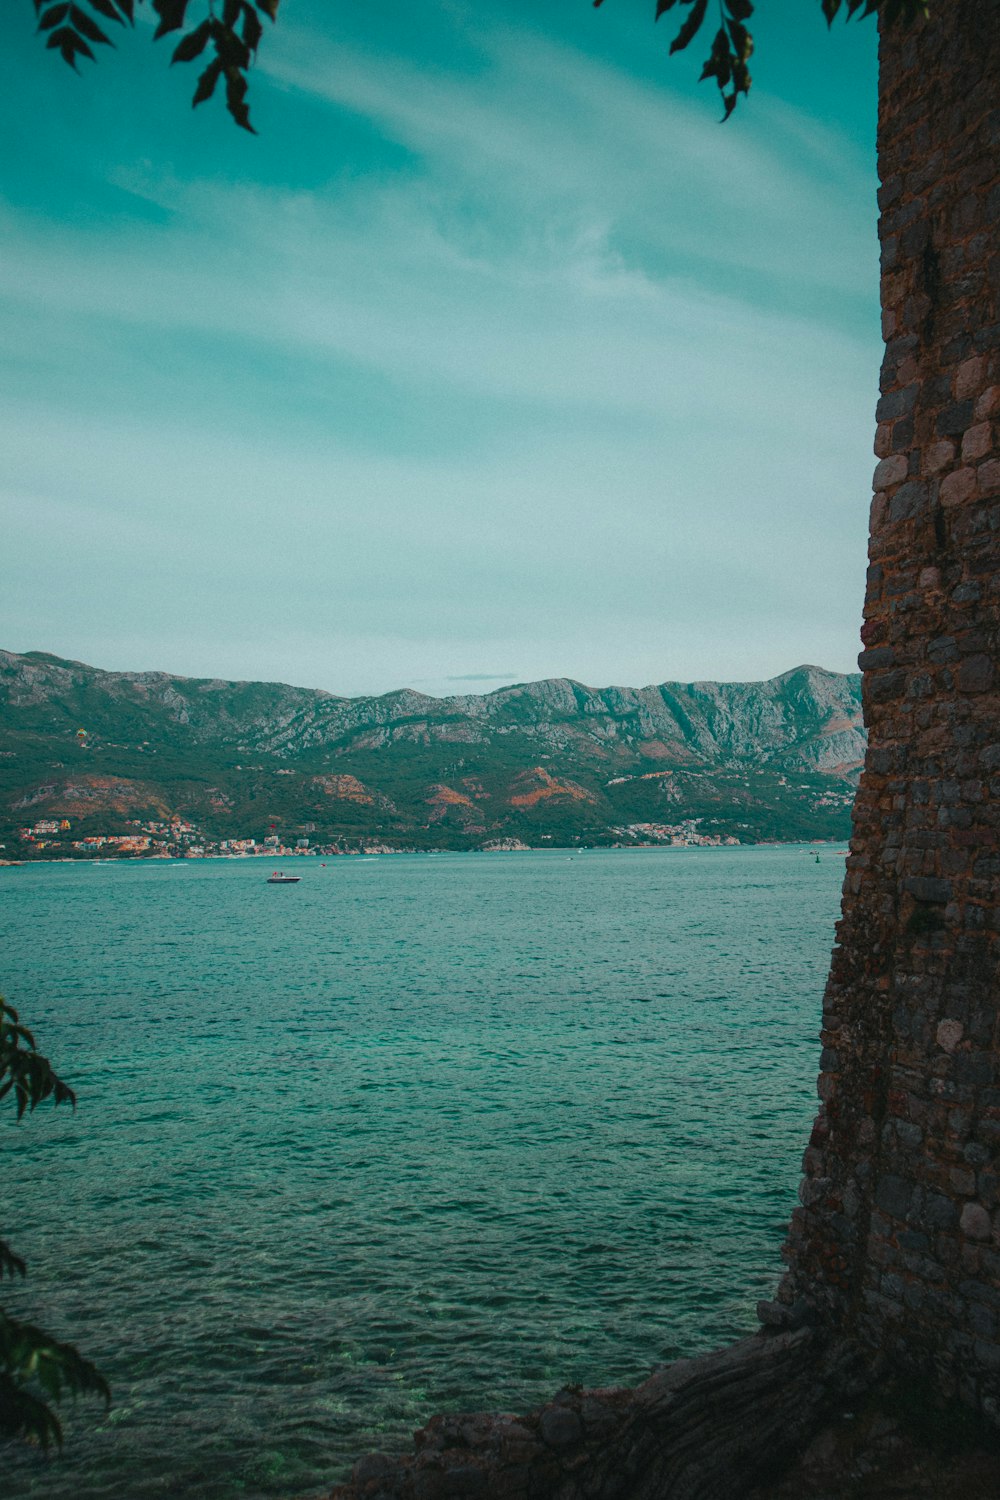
<point>897,1241</point>
<point>896,1247</point>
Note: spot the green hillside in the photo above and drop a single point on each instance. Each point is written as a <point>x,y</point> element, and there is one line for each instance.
<point>179,764</point>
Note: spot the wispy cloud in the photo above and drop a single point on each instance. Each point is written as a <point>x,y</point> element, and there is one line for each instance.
<point>567,140</point>
<point>566,380</point>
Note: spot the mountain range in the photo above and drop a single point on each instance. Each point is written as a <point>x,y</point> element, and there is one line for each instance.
<point>542,764</point>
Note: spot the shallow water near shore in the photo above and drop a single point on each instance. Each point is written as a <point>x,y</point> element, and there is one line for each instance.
<point>419,1133</point>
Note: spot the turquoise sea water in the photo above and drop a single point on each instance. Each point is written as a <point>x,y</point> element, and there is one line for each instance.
<point>418,1133</point>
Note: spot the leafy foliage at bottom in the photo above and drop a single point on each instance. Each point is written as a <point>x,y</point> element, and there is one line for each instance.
<point>35,1368</point>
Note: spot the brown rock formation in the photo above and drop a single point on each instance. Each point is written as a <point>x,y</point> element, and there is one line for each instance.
<point>700,1429</point>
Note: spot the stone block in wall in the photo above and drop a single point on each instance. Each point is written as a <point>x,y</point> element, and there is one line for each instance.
<point>911,1122</point>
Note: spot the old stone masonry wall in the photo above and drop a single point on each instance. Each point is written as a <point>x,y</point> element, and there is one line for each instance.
<point>898,1237</point>
<point>896,1247</point>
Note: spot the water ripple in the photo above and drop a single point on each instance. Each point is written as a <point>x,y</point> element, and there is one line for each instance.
<point>424,1133</point>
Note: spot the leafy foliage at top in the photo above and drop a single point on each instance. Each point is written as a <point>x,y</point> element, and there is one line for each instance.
<point>34,1367</point>
<point>732,45</point>
<point>232,37</point>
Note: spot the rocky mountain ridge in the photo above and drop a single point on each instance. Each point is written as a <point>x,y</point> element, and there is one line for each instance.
<point>584,762</point>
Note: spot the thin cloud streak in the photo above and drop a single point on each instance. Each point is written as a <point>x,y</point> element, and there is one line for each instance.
<point>538,390</point>
<point>546,127</point>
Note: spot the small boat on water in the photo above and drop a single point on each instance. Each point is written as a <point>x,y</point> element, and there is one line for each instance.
<point>278,879</point>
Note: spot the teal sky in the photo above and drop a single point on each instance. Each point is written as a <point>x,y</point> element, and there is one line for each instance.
<point>494,356</point>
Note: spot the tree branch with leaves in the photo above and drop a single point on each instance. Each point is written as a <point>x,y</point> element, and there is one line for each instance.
<point>232,31</point>
<point>728,61</point>
<point>35,1368</point>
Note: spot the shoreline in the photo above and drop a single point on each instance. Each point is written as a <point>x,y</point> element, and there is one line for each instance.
<point>373,853</point>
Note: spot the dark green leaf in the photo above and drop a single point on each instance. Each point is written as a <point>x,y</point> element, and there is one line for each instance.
<point>206,83</point>
<point>718,64</point>
<point>742,41</point>
<point>690,28</point>
<point>113,12</point>
<point>191,46</point>
<point>28,1354</point>
<point>741,77</point>
<point>236,88</point>
<point>88,28</point>
<point>10,1264</point>
<point>69,45</point>
<point>231,48</point>
<point>54,16</point>
<point>252,29</point>
<point>23,1415</point>
<point>22,1068</point>
<point>171,14</point>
